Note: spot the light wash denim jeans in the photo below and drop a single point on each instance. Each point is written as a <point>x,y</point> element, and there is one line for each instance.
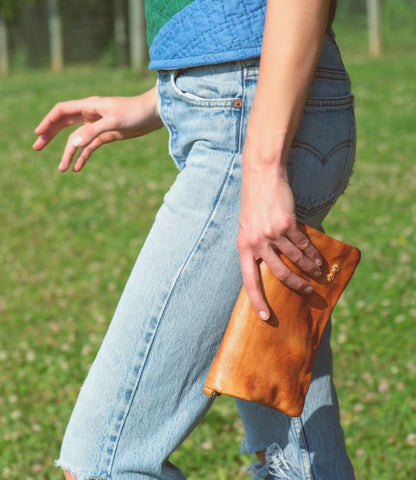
<point>144,392</point>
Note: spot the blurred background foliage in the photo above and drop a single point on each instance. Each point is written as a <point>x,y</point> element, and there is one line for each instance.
<point>88,29</point>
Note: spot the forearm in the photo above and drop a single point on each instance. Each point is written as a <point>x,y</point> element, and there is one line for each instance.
<point>292,42</point>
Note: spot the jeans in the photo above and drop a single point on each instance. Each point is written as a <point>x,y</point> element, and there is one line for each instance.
<point>144,392</point>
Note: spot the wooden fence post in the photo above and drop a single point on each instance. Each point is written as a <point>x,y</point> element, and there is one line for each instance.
<point>4,50</point>
<point>120,32</point>
<point>137,27</point>
<point>55,36</point>
<point>374,27</point>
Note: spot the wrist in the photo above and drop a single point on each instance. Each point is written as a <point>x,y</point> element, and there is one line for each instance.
<point>266,153</point>
<point>149,101</point>
<point>253,168</point>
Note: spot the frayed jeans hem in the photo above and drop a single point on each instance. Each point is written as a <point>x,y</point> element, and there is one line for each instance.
<point>79,474</point>
<point>246,448</point>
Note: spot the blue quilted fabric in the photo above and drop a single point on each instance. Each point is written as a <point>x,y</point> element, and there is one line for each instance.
<point>209,31</point>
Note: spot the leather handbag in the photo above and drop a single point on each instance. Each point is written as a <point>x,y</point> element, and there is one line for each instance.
<point>270,362</point>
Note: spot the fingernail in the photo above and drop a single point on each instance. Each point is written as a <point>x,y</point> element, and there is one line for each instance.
<point>76,141</point>
<point>317,273</point>
<point>318,262</point>
<point>263,315</point>
<point>308,289</point>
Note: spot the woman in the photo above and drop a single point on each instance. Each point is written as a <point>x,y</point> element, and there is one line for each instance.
<point>259,145</point>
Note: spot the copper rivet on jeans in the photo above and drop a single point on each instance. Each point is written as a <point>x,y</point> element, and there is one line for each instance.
<point>238,103</point>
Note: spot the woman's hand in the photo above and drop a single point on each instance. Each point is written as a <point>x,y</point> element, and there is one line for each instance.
<point>104,120</point>
<point>268,226</point>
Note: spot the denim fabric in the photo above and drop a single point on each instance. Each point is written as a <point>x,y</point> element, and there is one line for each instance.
<point>144,392</point>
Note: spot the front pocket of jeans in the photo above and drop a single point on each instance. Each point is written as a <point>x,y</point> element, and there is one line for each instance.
<point>202,90</point>
<point>322,154</point>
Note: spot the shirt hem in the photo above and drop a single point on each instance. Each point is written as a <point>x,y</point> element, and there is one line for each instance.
<point>206,59</point>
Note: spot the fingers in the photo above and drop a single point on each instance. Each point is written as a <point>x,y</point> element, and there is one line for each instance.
<point>296,246</point>
<point>88,139</point>
<point>251,280</point>
<point>53,130</point>
<point>86,152</point>
<point>302,242</point>
<point>252,283</point>
<point>281,271</point>
<point>64,111</point>
<point>308,260</point>
<point>62,115</point>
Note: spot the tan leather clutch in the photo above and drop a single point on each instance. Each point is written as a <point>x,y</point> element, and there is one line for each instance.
<point>270,362</point>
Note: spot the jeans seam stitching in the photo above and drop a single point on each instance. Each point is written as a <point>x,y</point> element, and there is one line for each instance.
<point>329,104</point>
<point>165,305</point>
<point>304,449</point>
<point>243,109</point>
<point>351,157</point>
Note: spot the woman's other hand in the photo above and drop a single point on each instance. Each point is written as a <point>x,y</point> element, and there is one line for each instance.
<point>103,119</point>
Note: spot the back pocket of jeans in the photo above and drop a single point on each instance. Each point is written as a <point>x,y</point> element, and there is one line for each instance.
<point>322,154</point>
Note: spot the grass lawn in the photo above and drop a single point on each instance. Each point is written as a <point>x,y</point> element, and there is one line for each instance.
<point>68,243</point>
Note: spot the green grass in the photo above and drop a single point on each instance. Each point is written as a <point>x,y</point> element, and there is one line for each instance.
<point>68,242</point>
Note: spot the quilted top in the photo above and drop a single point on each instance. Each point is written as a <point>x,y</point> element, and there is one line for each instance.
<point>185,33</point>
